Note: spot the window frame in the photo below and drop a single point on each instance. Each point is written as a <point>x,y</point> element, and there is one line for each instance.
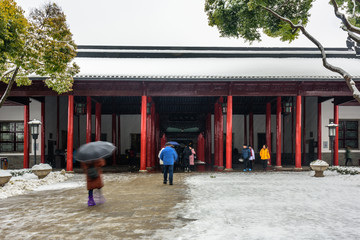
<point>344,130</point>
<point>14,141</point>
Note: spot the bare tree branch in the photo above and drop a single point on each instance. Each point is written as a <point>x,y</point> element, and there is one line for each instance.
<point>9,86</point>
<point>343,18</point>
<point>354,37</point>
<point>348,78</point>
<point>7,72</point>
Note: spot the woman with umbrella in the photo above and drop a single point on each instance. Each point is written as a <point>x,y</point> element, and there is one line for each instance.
<point>91,156</point>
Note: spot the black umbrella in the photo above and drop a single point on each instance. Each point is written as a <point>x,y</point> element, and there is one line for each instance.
<point>94,150</point>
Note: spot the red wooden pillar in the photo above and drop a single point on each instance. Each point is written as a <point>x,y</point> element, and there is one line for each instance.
<point>336,139</point>
<point>201,148</point>
<point>298,133</point>
<point>148,136</point>
<point>216,135</point>
<point>268,129</point>
<point>152,144</point>
<point>245,130</point>
<point>163,140</point>
<point>304,131</point>
<point>157,136</point>
<point>88,119</point>
<point>119,137</point>
<point>97,122</point>
<point>208,141</point>
<point>201,151</point>
<point>229,117</point>
<point>114,136</point>
<point>26,135</point>
<point>278,132</point>
<point>221,137</point>
<point>292,129</point>
<point>143,135</point>
<point>70,136</point>
<point>42,159</point>
<point>319,132</point>
<point>251,129</point>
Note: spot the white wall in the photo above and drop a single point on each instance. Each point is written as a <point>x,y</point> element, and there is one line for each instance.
<point>129,124</point>
<point>327,114</point>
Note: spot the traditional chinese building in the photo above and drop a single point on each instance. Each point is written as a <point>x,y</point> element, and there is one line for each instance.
<point>217,97</point>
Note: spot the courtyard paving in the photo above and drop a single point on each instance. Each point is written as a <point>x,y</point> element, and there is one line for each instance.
<point>136,206</point>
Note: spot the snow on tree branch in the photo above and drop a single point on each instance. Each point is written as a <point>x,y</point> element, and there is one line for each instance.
<point>7,72</point>
<point>348,78</point>
<point>9,86</point>
<point>343,18</point>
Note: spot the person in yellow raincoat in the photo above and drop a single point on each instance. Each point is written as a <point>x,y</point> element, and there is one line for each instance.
<point>265,156</point>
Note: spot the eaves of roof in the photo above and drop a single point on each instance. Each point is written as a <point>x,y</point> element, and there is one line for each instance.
<point>207,52</point>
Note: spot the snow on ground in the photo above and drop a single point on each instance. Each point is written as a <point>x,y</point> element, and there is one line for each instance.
<point>23,183</point>
<point>268,205</point>
<point>30,182</point>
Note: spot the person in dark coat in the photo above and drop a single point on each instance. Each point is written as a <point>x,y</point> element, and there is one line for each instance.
<point>348,156</point>
<point>94,179</point>
<point>186,158</point>
<point>246,155</point>
<point>169,157</point>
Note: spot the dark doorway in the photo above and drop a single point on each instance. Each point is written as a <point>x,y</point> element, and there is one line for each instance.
<point>261,140</point>
<point>135,142</point>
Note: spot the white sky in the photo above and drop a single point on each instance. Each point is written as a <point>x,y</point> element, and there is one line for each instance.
<point>171,23</point>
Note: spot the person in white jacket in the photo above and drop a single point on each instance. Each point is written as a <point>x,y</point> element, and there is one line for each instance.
<point>161,161</point>
<point>252,157</point>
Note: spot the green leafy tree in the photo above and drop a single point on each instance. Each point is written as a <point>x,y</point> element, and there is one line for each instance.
<point>284,19</point>
<point>40,44</point>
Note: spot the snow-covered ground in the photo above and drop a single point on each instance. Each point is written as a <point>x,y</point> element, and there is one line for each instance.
<point>30,182</point>
<point>270,205</point>
<point>25,181</point>
<point>256,205</point>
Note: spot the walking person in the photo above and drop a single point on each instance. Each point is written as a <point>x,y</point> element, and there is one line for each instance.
<point>252,157</point>
<point>169,157</point>
<point>192,159</point>
<point>246,155</point>
<point>348,156</point>
<point>94,180</point>
<point>92,157</point>
<point>265,156</point>
<point>186,157</point>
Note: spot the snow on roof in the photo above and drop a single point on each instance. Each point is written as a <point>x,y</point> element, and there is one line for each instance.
<point>213,67</point>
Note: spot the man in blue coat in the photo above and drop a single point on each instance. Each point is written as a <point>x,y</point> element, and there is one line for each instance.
<point>169,157</point>
<point>246,155</point>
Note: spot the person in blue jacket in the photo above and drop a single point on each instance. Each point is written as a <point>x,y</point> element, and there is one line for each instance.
<point>246,155</point>
<point>169,157</point>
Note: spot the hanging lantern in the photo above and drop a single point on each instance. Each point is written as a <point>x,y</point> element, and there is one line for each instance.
<point>224,108</point>
<point>287,107</point>
<point>80,108</point>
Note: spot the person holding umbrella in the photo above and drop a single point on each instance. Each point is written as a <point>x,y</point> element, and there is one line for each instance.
<point>94,180</point>
<point>169,157</point>
<point>91,156</point>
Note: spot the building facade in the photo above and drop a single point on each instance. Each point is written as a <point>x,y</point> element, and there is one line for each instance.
<point>139,97</point>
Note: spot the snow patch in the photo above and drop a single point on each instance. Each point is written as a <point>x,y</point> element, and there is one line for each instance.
<point>319,163</point>
<point>4,173</point>
<point>41,166</point>
<point>30,182</point>
<point>279,205</point>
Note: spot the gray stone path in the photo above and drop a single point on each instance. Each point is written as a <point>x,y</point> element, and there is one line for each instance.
<point>135,208</point>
